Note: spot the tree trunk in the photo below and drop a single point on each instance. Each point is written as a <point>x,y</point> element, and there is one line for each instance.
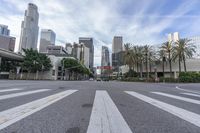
<point>163,69</point>
<point>147,71</point>
<point>185,69</point>
<point>141,67</point>
<point>170,64</point>
<point>179,63</point>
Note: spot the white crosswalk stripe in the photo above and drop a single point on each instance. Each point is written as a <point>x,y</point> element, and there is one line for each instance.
<point>105,117</point>
<point>8,90</point>
<point>179,112</point>
<point>178,97</point>
<point>15,114</point>
<point>191,94</point>
<point>21,94</point>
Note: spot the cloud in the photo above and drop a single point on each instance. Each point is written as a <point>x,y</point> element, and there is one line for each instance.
<point>139,22</point>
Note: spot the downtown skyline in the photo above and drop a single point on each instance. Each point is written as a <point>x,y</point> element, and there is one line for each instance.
<point>138,22</point>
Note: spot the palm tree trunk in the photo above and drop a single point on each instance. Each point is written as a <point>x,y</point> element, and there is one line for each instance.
<point>185,69</point>
<point>170,64</point>
<point>163,69</point>
<point>179,63</point>
<point>147,71</point>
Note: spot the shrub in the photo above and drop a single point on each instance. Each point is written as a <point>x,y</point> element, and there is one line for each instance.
<point>189,77</point>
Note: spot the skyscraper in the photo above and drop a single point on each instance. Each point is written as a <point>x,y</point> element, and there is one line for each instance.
<point>48,37</point>
<point>105,58</point>
<point>4,30</point>
<point>29,28</point>
<point>173,37</point>
<point>117,52</point>
<point>88,42</point>
<point>117,44</point>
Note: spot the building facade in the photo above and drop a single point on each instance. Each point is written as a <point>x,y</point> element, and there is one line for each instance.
<point>105,57</point>
<point>47,38</point>
<point>68,47</point>
<point>117,52</point>
<point>88,42</point>
<point>117,44</point>
<point>4,30</point>
<point>29,28</point>
<point>56,50</point>
<point>7,42</point>
<point>195,41</point>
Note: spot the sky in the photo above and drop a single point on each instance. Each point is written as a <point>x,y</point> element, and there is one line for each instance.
<point>140,22</point>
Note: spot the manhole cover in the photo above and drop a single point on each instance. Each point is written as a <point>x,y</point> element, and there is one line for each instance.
<point>87,105</point>
<point>73,130</point>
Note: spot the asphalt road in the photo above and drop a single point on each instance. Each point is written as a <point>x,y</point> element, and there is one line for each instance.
<point>98,107</point>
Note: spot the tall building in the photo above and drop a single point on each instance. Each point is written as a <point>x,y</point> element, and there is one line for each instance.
<point>196,42</point>
<point>4,30</point>
<point>29,28</point>
<point>173,37</point>
<point>105,58</point>
<point>88,42</point>
<point>47,38</point>
<point>117,45</point>
<point>6,41</point>
<point>68,47</point>
<point>117,53</point>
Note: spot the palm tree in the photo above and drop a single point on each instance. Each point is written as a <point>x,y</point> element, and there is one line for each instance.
<point>167,48</point>
<point>161,54</point>
<point>139,58</point>
<point>147,53</point>
<point>128,56</point>
<point>183,49</point>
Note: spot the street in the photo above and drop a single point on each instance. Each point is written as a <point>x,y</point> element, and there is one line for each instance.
<point>98,107</point>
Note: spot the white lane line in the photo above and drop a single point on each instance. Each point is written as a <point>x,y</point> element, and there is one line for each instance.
<point>105,117</point>
<point>21,94</point>
<point>179,112</point>
<point>15,114</point>
<point>187,90</point>
<point>191,94</point>
<point>178,97</point>
<point>7,90</point>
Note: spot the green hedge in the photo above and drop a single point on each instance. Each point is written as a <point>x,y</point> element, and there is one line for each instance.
<point>189,77</point>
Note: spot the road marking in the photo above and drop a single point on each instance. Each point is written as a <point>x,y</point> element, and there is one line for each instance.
<point>21,94</point>
<point>15,114</point>
<point>7,90</point>
<point>179,112</point>
<point>178,97</point>
<point>187,90</point>
<point>191,94</point>
<point>105,117</point>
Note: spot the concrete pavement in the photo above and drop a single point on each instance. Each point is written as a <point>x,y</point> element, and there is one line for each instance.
<point>89,106</point>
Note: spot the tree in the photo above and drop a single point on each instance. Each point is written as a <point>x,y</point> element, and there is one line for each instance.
<point>34,61</point>
<point>167,48</point>
<point>182,50</point>
<point>74,67</point>
<point>128,56</point>
<point>148,52</point>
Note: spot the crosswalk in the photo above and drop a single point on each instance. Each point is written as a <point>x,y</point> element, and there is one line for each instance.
<point>105,115</point>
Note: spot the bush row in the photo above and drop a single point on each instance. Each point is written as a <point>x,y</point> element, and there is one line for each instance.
<point>189,77</point>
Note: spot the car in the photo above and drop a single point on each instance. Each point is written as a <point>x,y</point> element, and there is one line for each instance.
<point>98,79</point>
<point>91,79</point>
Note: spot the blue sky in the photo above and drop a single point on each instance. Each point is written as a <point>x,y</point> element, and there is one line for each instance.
<point>138,21</point>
